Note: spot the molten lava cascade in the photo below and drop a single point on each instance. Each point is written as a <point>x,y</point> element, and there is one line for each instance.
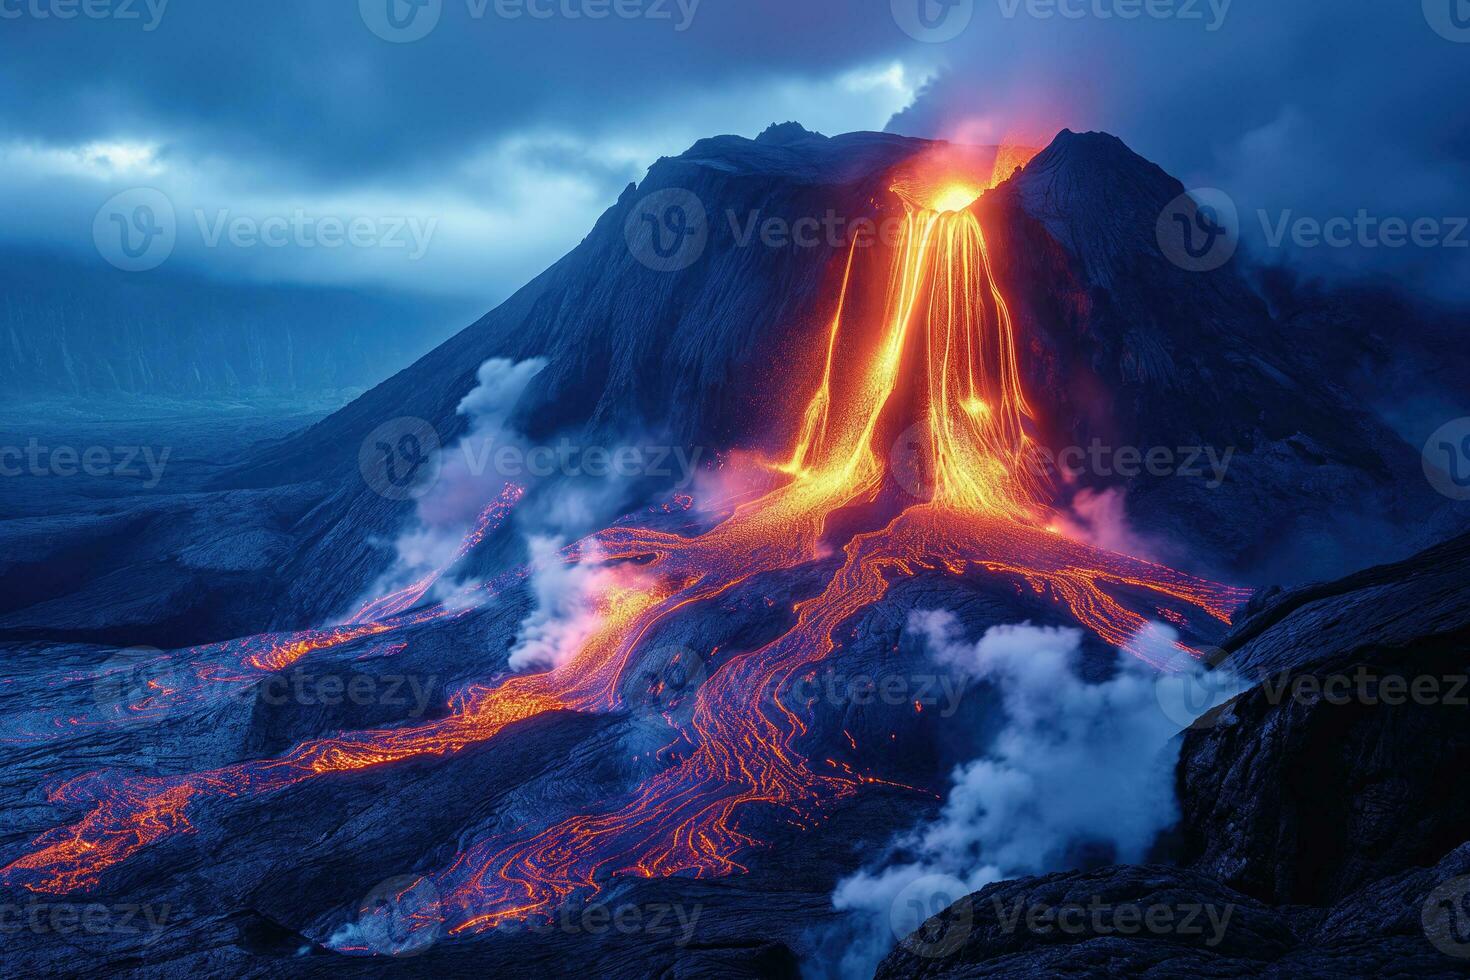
<point>946,360</point>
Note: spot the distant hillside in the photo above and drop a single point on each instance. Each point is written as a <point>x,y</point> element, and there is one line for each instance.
<point>70,329</point>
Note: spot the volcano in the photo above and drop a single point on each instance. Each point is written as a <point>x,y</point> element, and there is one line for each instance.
<point>885,410</point>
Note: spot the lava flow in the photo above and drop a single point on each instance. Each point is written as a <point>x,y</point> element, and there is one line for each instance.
<point>150,687</point>
<point>940,362</point>
<point>490,519</point>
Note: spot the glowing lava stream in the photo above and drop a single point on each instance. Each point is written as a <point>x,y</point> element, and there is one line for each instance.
<point>986,513</point>
<point>196,676</point>
<point>490,519</point>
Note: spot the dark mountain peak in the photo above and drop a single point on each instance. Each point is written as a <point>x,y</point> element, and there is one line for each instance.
<point>1087,141</point>
<point>786,132</point>
<point>1093,161</point>
<point>1098,152</point>
<point>788,151</point>
<point>1098,198</point>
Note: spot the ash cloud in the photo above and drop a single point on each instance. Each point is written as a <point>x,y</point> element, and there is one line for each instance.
<point>1100,518</point>
<point>1078,769</point>
<point>556,510</point>
<point>565,614</point>
<point>568,584</point>
<point>446,513</point>
<point>467,481</point>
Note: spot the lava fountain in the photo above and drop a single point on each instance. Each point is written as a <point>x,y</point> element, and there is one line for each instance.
<point>941,363</point>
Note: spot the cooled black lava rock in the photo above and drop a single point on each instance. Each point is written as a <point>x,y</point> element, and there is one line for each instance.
<point>1295,798</point>
<point>1344,763</point>
<point>1380,931</point>
<point>1149,917</point>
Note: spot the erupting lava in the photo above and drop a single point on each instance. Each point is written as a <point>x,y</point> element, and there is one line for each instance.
<point>939,363</point>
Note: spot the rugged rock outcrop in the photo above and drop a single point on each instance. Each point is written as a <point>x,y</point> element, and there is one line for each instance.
<point>1168,922</point>
<point>1341,765</point>
<point>1325,806</point>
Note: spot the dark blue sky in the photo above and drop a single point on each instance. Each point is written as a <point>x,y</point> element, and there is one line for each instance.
<point>503,131</point>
